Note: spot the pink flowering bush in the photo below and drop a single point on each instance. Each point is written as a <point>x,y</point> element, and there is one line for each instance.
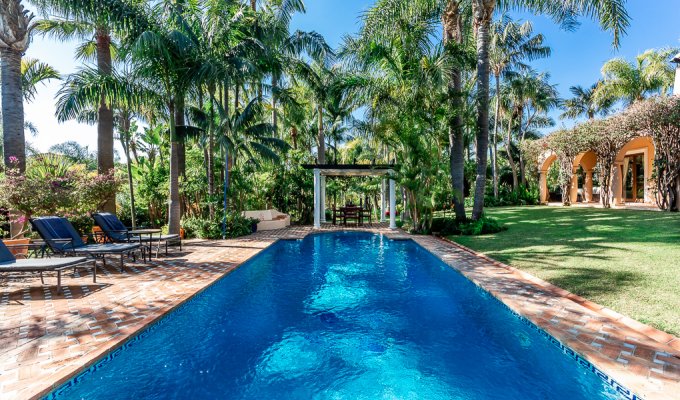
<point>54,186</point>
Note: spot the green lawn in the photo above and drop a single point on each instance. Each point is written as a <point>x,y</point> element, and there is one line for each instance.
<point>626,260</point>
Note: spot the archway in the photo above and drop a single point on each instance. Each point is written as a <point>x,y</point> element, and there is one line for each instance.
<point>587,161</point>
<point>632,172</point>
<point>545,160</point>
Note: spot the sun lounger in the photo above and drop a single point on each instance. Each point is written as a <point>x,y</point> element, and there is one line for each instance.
<point>62,238</point>
<point>117,232</point>
<point>8,263</point>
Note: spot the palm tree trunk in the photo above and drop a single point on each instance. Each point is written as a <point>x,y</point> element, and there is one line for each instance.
<point>174,210</point>
<point>293,136</point>
<point>14,143</point>
<point>180,121</point>
<point>483,12</point>
<point>125,135</point>
<point>275,84</point>
<point>210,161</point>
<point>321,139</point>
<point>495,136</point>
<point>451,20</point>
<point>105,114</point>
<point>511,161</point>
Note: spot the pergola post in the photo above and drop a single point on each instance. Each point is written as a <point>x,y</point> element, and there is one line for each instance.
<point>382,200</point>
<point>393,206</point>
<point>317,198</point>
<point>322,209</point>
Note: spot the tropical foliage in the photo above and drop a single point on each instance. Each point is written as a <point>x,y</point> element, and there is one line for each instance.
<point>217,103</point>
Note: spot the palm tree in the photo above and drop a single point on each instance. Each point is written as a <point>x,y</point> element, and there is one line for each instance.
<point>525,92</point>
<point>160,55</point>
<point>511,44</point>
<point>585,103</point>
<point>93,22</point>
<point>650,73</point>
<point>320,81</point>
<point>16,25</point>
<point>34,72</point>
<point>610,13</point>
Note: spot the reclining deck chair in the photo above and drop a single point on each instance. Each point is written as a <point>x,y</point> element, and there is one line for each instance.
<point>8,263</point>
<point>62,238</point>
<point>117,232</point>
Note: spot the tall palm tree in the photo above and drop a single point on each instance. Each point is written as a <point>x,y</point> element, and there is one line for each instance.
<point>16,25</point>
<point>162,55</point>
<point>93,23</point>
<point>320,81</point>
<point>611,14</point>
<point>650,73</point>
<point>512,43</point>
<point>585,103</point>
<point>531,93</point>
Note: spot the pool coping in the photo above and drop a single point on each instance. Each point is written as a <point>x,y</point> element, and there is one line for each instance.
<point>129,333</point>
<point>648,330</point>
<point>621,378</point>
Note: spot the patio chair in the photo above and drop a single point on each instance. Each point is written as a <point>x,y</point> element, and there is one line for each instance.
<point>9,263</point>
<point>117,232</point>
<point>62,238</point>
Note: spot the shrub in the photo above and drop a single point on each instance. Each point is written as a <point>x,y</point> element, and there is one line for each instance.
<point>523,196</point>
<point>204,228</point>
<point>52,185</point>
<point>450,226</point>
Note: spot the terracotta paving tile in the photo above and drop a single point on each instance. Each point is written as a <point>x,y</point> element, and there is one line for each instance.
<point>46,337</point>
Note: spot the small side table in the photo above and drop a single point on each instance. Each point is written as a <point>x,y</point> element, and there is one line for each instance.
<point>148,232</point>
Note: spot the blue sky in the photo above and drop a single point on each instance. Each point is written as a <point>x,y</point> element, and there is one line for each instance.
<point>576,56</point>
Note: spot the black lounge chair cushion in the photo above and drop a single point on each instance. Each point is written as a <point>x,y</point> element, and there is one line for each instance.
<point>56,229</point>
<point>41,264</point>
<point>116,230</point>
<point>111,226</point>
<point>107,248</point>
<point>9,263</point>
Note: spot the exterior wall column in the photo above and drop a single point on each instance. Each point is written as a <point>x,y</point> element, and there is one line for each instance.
<point>322,210</point>
<point>573,190</point>
<point>588,186</point>
<point>543,187</point>
<point>317,198</point>
<point>616,195</point>
<point>383,188</point>
<point>393,206</point>
<point>676,86</point>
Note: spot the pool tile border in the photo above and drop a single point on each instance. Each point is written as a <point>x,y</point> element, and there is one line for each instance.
<point>630,388</point>
<point>666,358</point>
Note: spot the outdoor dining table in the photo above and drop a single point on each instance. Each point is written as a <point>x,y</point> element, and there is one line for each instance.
<point>355,213</point>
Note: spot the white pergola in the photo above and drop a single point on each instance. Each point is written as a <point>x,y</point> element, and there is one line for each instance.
<point>321,171</point>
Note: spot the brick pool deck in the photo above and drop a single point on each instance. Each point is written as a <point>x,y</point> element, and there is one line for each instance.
<point>45,338</point>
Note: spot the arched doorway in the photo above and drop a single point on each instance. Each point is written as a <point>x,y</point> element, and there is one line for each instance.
<point>545,161</point>
<point>632,172</point>
<point>582,180</point>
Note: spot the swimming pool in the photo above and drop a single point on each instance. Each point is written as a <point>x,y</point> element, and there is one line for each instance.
<point>340,316</point>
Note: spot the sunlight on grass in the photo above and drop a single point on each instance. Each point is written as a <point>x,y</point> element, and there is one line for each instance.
<point>625,260</point>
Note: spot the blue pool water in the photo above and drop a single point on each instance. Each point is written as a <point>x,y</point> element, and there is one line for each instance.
<point>341,316</point>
